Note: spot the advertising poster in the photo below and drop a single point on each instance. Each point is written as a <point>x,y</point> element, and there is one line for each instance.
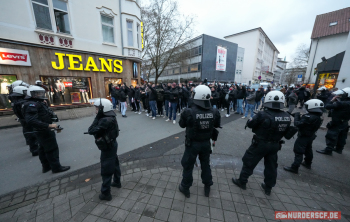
<point>221,59</point>
<point>14,57</point>
<point>75,97</point>
<point>135,71</point>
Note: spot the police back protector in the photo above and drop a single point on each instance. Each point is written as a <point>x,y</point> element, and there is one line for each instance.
<point>203,124</point>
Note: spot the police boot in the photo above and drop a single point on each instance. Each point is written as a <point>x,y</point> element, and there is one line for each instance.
<point>325,151</point>
<point>206,191</point>
<point>107,197</point>
<point>46,169</point>
<point>185,191</point>
<point>266,189</point>
<point>308,166</point>
<point>291,169</point>
<point>239,183</point>
<point>338,150</point>
<point>61,169</point>
<point>117,185</point>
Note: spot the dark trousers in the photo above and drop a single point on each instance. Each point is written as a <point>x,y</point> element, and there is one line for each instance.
<point>203,150</point>
<point>257,151</point>
<point>48,150</point>
<point>144,103</point>
<point>160,107</point>
<point>303,146</point>
<point>336,135</point>
<point>301,101</point>
<point>109,168</point>
<point>132,104</point>
<point>30,137</point>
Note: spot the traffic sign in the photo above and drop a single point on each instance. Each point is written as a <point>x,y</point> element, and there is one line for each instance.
<point>300,76</point>
<point>259,77</point>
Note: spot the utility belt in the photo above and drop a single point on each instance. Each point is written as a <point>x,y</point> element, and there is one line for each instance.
<point>257,139</point>
<point>104,142</point>
<point>214,137</point>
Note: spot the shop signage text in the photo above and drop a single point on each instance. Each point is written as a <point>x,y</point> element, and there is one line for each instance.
<point>14,57</point>
<point>75,63</point>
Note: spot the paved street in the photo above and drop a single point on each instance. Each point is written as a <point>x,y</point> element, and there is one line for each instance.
<point>151,177</point>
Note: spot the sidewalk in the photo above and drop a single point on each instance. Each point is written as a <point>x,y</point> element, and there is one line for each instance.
<point>150,193</point>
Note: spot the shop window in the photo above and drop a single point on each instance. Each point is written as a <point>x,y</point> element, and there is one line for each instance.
<point>67,90</point>
<point>107,29</point>
<point>327,80</point>
<point>61,16</point>
<point>130,33</point>
<point>111,82</point>
<point>5,80</point>
<point>42,14</point>
<point>134,82</point>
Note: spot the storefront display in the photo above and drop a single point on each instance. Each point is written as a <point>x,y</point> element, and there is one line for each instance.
<point>134,82</point>
<point>327,80</point>
<point>5,80</point>
<point>114,82</point>
<point>67,90</point>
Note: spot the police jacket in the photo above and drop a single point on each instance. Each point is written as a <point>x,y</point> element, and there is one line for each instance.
<point>340,111</point>
<point>215,98</point>
<point>308,124</point>
<point>270,125</point>
<point>37,114</point>
<point>199,122</point>
<point>105,126</point>
<point>323,96</point>
<point>17,108</point>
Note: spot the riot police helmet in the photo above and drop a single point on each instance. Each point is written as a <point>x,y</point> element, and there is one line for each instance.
<point>19,91</point>
<point>322,88</point>
<point>201,96</point>
<point>19,83</point>
<point>274,100</point>
<point>106,105</point>
<point>343,93</point>
<point>36,92</point>
<point>314,106</point>
<point>39,83</point>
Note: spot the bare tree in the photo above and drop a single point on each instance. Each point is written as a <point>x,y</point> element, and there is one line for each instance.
<point>165,32</point>
<point>298,65</point>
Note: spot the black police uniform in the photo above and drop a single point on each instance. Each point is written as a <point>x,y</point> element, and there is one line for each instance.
<point>28,133</point>
<point>39,116</point>
<point>106,128</point>
<point>337,128</point>
<point>308,125</point>
<point>269,127</point>
<point>199,123</point>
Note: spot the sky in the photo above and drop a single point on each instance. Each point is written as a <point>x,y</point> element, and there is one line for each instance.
<point>287,23</point>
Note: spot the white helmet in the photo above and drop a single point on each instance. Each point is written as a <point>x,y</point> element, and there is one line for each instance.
<point>201,96</point>
<point>344,93</point>
<point>19,91</point>
<point>106,104</point>
<point>39,83</point>
<point>274,100</point>
<point>314,106</point>
<point>36,92</point>
<point>19,83</point>
<point>322,88</point>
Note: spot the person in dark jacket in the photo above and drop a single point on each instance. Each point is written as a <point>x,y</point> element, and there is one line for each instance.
<point>289,91</point>
<point>323,95</point>
<point>292,101</point>
<point>138,99</point>
<point>258,96</point>
<point>122,96</point>
<point>105,130</point>
<point>160,100</point>
<point>166,89</point>
<point>173,95</point>
<point>131,96</point>
<point>241,93</point>
<point>214,98</point>
<point>250,103</point>
<point>301,96</point>
<point>153,99</point>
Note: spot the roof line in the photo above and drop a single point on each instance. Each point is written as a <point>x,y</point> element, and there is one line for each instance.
<point>260,29</point>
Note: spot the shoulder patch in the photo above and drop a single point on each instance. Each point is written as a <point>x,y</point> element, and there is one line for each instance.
<point>32,104</point>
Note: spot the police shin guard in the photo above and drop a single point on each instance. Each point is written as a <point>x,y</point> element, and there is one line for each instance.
<point>185,191</point>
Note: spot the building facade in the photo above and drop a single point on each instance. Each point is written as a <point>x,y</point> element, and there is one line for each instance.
<point>198,62</point>
<point>76,48</point>
<point>279,71</point>
<point>260,55</point>
<point>330,37</point>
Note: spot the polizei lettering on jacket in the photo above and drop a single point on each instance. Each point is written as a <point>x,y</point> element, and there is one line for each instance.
<point>204,116</point>
<point>282,119</point>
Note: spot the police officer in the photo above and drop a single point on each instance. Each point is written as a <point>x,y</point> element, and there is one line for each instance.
<point>39,116</point>
<point>339,126</point>
<point>199,121</point>
<point>269,126</point>
<point>308,125</point>
<point>105,130</point>
<point>19,92</point>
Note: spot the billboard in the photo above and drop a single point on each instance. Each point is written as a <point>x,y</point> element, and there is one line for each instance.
<point>14,57</point>
<point>221,55</point>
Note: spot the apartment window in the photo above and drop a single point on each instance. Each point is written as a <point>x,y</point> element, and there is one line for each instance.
<point>200,50</point>
<point>130,33</point>
<point>107,29</point>
<point>138,35</point>
<point>42,14</point>
<point>176,70</point>
<point>61,16</point>
<point>333,23</point>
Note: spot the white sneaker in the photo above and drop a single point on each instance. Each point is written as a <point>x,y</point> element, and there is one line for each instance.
<point>179,114</point>
<point>243,117</point>
<point>162,115</point>
<point>157,115</point>
<point>147,114</point>
<point>150,116</point>
<point>174,121</point>
<point>154,118</point>
<point>139,112</point>
<point>167,120</point>
<point>227,115</point>
<point>222,110</point>
<point>135,112</point>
